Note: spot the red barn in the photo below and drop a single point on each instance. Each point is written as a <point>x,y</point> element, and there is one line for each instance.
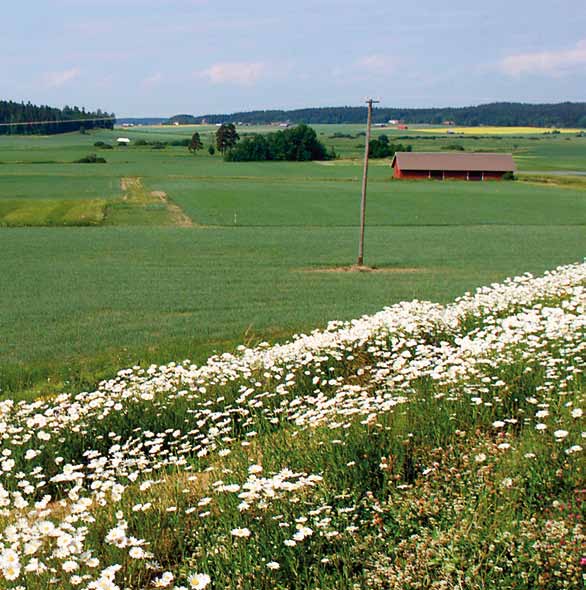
<point>444,166</point>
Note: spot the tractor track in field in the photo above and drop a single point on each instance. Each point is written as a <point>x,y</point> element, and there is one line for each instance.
<point>179,218</point>
<point>136,194</point>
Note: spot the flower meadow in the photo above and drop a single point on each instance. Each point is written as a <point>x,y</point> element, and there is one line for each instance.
<point>425,446</point>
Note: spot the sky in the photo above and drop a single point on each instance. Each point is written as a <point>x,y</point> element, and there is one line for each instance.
<point>164,57</point>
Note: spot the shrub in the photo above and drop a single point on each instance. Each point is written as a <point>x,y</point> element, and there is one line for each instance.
<point>381,148</point>
<point>339,135</point>
<point>90,159</point>
<point>509,176</point>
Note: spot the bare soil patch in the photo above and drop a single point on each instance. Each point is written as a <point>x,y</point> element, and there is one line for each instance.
<point>126,183</point>
<point>177,215</point>
<point>365,269</point>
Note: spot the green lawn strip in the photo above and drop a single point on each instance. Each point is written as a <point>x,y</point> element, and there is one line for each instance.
<point>74,184</point>
<point>51,212</point>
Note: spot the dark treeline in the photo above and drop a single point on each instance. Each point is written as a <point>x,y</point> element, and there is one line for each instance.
<point>13,114</point>
<point>566,114</point>
<point>141,120</point>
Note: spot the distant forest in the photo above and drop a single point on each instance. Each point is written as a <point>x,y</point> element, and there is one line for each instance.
<point>141,120</point>
<point>28,119</point>
<point>509,114</point>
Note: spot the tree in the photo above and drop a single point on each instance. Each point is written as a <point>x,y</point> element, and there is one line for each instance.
<point>251,149</point>
<point>382,148</point>
<point>226,137</point>
<point>298,144</point>
<point>195,143</point>
<point>211,150</point>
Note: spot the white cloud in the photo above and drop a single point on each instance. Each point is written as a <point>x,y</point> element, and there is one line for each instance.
<point>153,80</point>
<point>369,67</point>
<point>378,64</point>
<point>553,63</point>
<point>241,73</point>
<point>58,79</point>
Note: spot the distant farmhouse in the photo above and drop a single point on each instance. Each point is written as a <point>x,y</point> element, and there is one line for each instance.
<point>444,166</point>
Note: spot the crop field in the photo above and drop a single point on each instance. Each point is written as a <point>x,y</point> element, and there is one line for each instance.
<point>424,446</point>
<point>158,254</point>
<point>491,130</point>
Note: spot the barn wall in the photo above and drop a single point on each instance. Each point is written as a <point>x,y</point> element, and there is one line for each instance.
<point>448,175</point>
<point>455,175</point>
<point>493,175</point>
<point>413,174</point>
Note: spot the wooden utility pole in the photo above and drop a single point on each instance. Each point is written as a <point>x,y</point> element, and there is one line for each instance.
<point>369,102</point>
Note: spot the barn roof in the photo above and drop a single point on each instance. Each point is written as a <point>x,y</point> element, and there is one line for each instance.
<point>457,162</point>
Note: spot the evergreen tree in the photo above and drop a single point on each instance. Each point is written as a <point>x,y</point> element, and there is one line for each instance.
<point>195,143</point>
<point>27,119</point>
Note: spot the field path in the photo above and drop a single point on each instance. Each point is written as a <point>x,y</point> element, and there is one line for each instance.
<point>180,219</point>
<point>135,194</point>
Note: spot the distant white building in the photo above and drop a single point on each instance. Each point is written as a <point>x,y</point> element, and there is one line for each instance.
<point>123,141</point>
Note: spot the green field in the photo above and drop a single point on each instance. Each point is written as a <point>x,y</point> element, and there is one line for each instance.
<point>202,254</point>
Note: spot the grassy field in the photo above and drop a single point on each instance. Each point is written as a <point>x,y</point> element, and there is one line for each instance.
<point>192,254</point>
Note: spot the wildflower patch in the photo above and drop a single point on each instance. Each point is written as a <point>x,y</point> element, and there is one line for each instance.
<point>425,446</point>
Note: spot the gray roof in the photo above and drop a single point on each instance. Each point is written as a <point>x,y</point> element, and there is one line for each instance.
<point>478,162</point>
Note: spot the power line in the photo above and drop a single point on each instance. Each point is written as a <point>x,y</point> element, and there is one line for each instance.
<point>58,122</point>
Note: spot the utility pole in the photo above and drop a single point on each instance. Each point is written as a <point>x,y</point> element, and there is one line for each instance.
<point>369,102</point>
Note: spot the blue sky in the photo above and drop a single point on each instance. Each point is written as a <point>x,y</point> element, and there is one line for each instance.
<point>162,57</point>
